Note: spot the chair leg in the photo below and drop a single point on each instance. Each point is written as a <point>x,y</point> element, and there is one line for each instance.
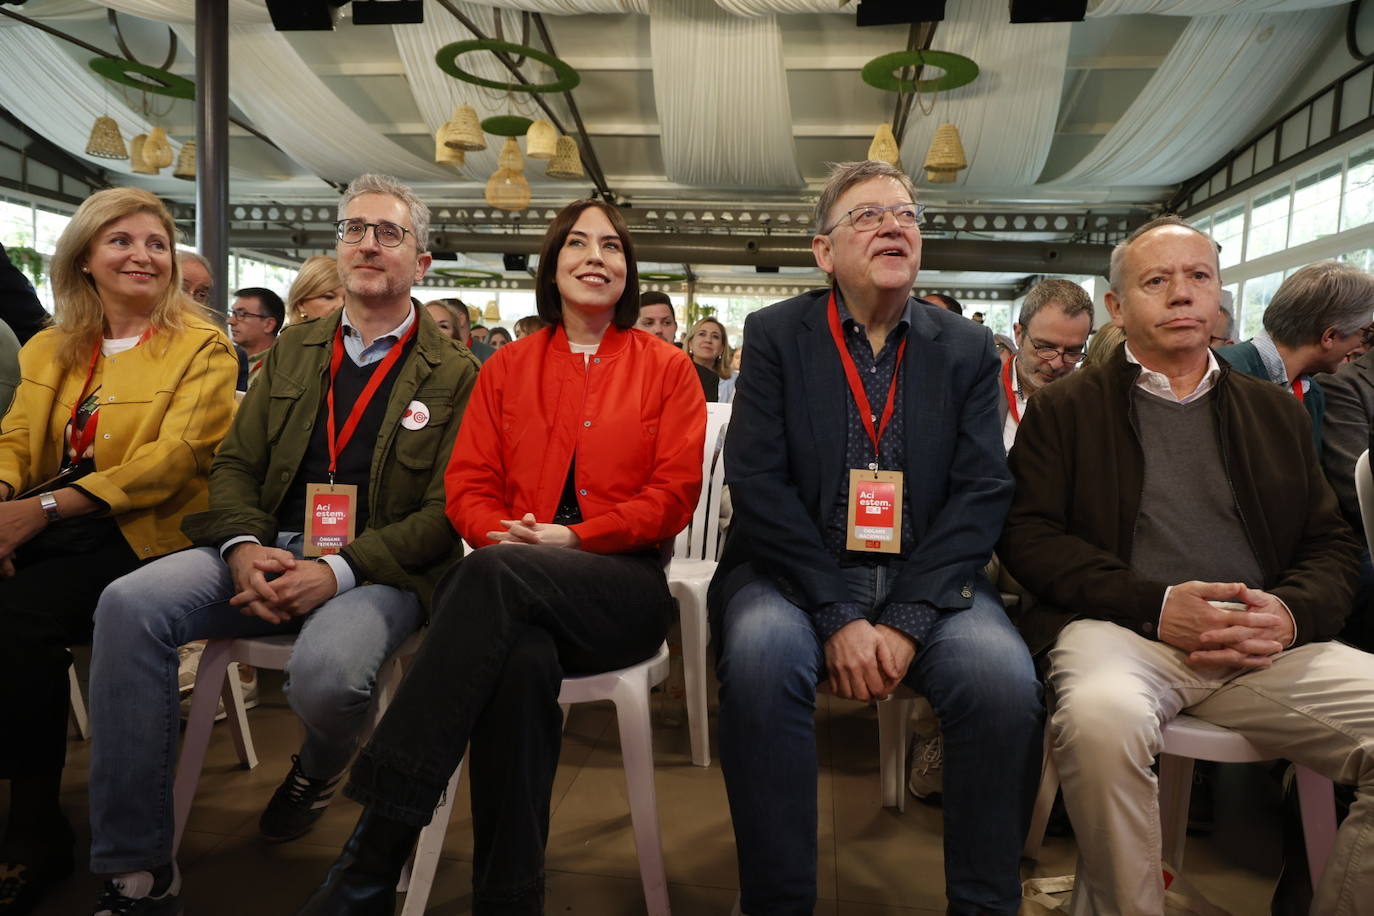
<point>425,862</point>
<point>1175,790</point>
<point>695,636</point>
<point>237,714</point>
<point>78,704</point>
<point>1317,799</point>
<point>631,698</point>
<point>214,664</point>
<point>893,718</point>
<point>1044,802</point>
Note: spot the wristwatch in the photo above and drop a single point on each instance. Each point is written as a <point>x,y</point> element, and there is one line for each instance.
<point>49,504</point>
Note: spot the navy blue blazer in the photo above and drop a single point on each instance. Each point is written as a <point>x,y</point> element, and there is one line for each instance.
<point>784,457</point>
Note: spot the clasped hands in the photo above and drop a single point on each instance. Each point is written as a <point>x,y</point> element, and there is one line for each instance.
<point>1216,637</point>
<point>867,661</point>
<point>527,531</point>
<point>298,588</point>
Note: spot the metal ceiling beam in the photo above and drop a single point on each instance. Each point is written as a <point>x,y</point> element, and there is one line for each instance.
<point>212,143</point>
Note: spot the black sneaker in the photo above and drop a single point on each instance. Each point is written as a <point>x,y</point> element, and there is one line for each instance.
<point>297,804</point>
<point>164,899</point>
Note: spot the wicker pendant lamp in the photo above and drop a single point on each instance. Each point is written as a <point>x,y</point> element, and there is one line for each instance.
<point>445,154</point>
<point>136,149</point>
<point>463,130</point>
<point>541,140</point>
<point>508,189</point>
<point>567,162</point>
<point>884,147</point>
<point>157,150</point>
<point>186,162</point>
<point>510,157</point>
<point>946,157</point>
<point>492,313</point>
<point>106,142</point>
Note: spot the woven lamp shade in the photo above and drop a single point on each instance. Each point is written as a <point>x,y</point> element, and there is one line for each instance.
<point>106,141</point>
<point>157,151</point>
<point>541,140</point>
<point>140,164</point>
<point>567,163</point>
<point>186,162</point>
<point>508,189</point>
<point>493,312</point>
<point>445,154</point>
<point>884,147</point>
<point>510,157</point>
<point>946,156</point>
<point>463,130</point>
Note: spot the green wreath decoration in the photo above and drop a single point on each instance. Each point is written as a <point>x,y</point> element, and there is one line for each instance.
<point>880,72</point>
<point>566,77</point>
<point>118,70</point>
<point>466,276</point>
<point>506,125</point>
<point>659,277</point>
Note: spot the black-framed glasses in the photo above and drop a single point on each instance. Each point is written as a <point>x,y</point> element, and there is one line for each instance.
<point>240,314</point>
<point>1048,354</point>
<point>353,231</point>
<point>866,219</point>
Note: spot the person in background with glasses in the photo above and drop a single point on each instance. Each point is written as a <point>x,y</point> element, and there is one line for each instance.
<point>869,485</point>
<point>255,318</point>
<point>198,282</point>
<point>1318,315</point>
<point>1051,338</point>
<point>326,520</point>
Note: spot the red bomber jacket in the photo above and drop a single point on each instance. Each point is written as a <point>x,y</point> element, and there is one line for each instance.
<point>634,416</point>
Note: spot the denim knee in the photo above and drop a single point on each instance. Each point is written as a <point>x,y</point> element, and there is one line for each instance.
<point>770,646</point>
<point>324,686</point>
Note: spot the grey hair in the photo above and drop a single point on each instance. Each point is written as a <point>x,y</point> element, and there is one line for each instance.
<point>1327,294</point>
<point>1118,263</point>
<point>183,256</point>
<point>1069,296</point>
<point>844,175</point>
<point>373,183</point>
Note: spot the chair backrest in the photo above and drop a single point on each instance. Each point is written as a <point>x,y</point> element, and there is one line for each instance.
<point>700,540</point>
<point>1364,490</point>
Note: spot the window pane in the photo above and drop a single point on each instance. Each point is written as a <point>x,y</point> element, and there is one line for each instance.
<point>1268,224</point>
<point>1228,226</point>
<point>16,224</point>
<point>1357,204</point>
<point>1363,259</point>
<point>50,226</point>
<point>1316,202</point>
<point>1255,299</point>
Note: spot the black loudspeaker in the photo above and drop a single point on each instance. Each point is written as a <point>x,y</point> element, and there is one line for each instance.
<point>388,12</point>
<point>516,261</point>
<point>899,12</point>
<point>1048,10</point>
<point>303,15</point>
<point>765,268</point>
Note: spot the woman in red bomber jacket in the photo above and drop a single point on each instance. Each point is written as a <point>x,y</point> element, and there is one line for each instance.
<point>578,461</point>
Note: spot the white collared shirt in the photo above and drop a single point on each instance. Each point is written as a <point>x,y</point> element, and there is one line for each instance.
<point>1157,383</point>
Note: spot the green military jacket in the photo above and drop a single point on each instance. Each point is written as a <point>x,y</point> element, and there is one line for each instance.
<point>408,542</point>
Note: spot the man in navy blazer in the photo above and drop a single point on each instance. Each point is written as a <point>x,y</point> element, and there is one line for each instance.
<point>823,583</point>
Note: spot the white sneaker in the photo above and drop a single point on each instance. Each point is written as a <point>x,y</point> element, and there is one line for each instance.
<point>249,690</point>
<point>190,665</point>
<point>926,759</point>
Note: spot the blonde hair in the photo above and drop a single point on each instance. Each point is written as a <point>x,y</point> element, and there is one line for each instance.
<point>1103,344</point>
<point>79,314</point>
<point>454,312</point>
<point>317,276</point>
<point>722,362</point>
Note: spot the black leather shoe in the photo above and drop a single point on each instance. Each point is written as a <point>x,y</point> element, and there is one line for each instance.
<point>362,881</point>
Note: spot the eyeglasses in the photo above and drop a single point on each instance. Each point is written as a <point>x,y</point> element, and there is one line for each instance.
<point>1049,353</point>
<point>353,231</point>
<point>240,314</point>
<point>1216,341</point>
<point>200,294</point>
<point>866,219</point>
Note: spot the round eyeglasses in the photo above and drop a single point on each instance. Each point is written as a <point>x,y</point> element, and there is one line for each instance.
<point>353,231</point>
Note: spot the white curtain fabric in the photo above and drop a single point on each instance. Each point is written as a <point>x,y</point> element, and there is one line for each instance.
<point>721,93</point>
<point>1202,7</point>
<point>1006,117</point>
<point>571,7</point>
<point>771,7</point>
<point>284,99</point>
<point>1204,98</point>
<point>178,11</point>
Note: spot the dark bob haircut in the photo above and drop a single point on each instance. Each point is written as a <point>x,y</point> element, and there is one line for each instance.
<point>546,296</point>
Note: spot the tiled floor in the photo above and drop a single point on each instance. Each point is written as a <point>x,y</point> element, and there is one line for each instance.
<point>873,862</point>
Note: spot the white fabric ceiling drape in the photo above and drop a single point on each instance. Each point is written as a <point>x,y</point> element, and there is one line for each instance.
<point>1006,117</point>
<point>180,11</point>
<point>1204,99</point>
<point>1202,7</point>
<point>770,7</point>
<point>572,7</point>
<point>721,93</point>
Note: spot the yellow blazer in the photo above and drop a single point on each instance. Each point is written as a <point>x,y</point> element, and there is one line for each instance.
<point>164,407</point>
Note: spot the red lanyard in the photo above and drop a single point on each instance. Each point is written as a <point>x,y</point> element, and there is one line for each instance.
<point>856,388</point>
<point>355,415</point>
<point>1011,394</point>
<point>1297,389</point>
<point>82,440</point>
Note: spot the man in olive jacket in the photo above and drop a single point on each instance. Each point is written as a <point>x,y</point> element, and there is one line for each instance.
<point>1171,515</point>
<point>368,399</point>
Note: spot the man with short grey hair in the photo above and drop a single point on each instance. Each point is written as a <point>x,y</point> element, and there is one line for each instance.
<point>1318,315</point>
<point>1051,337</point>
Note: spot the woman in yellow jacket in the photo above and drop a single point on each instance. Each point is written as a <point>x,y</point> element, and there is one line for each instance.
<point>107,445</point>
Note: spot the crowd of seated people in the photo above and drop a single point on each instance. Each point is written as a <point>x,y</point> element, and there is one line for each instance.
<point>1158,503</point>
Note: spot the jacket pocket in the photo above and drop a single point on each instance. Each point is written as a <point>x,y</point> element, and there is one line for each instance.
<point>282,399</point>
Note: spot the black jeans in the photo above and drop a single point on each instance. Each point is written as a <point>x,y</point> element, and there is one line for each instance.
<point>509,622</point>
<point>44,608</point>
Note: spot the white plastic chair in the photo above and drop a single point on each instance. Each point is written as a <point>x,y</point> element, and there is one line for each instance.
<point>1187,739</point>
<point>1364,490</point>
<point>628,688</point>
<point>80,722</point>
<point>689,574</point>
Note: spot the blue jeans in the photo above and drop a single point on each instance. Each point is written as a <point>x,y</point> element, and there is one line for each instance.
<point>978,676</point>
<point>141,620</point>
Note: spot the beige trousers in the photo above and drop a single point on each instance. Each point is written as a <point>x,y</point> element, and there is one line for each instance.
<point>1114,689</point>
